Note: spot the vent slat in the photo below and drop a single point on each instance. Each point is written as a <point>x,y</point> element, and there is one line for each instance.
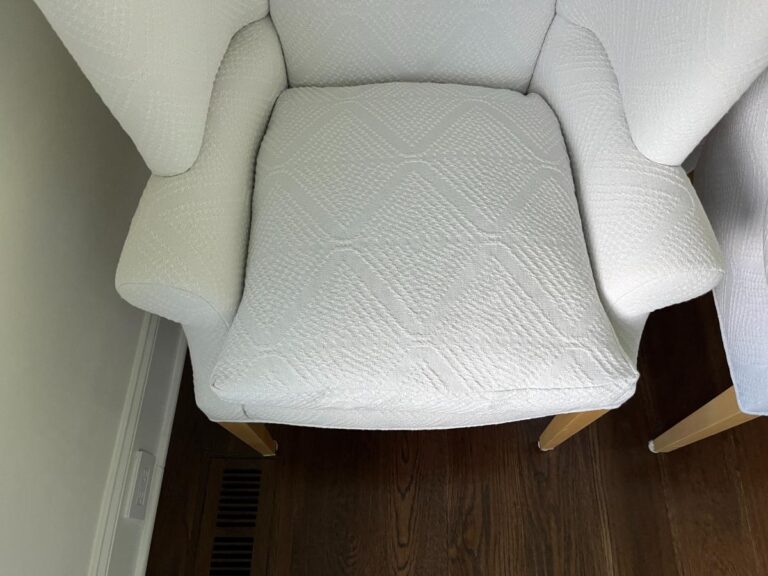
<point>237,525</point>
<point>233,539</point>
<point>231,562</point>
<point>218,555</point>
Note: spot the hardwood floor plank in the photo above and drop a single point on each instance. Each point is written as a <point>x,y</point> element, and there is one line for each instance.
<point>685,362</point>
<point>707,513</point>
<point>289,499</point>
<point>515,510</point>
<point>375,500</point>
<point>749,441</point>
<point>417,523</point>
<point>330,538</point>
<point>634,496</point>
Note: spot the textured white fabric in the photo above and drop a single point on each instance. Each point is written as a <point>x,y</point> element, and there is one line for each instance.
<point>153,63</point>
<point>486,42</point>
<point>649,240</point>
<point>416,261</point>
<point>681,64</point>
<point>732,180</point>
<point>185,253</point>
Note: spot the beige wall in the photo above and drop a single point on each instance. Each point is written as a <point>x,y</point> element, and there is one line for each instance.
<point>69,182</point>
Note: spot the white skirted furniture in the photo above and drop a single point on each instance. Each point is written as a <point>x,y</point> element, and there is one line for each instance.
<point>732,181</point>
<point>411,214</point>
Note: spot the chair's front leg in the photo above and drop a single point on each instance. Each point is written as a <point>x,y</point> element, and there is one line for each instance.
<point>564,426</point>
<point>715,416</point>
<point>254,435</point>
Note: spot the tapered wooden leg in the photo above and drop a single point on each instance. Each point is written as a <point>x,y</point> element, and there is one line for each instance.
<point>715,416</point>
<point>254,435</point>
<point>564,426</point>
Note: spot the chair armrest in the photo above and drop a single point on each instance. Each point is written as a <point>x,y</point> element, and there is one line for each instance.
<point>153,63</point>
<point>184,257</point>
<point>185,254</point>
<point>649,240</point>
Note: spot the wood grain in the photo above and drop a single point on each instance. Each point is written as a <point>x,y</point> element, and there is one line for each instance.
<point>486,501</point>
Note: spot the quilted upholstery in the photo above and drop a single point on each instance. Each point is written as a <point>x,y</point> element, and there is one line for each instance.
<point>416,261</point>
<point>153,63</point>
<point>645,85</point>
<point>649,240</point>
<point>486,43</point>
<point>732,180</point>
<point>185,253</point>
<point>680,64</point>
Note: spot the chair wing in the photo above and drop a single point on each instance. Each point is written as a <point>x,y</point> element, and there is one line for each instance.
<point>153,63</point>
<point>680,64</point>
<point>184,257</point>
<point>650,243</point>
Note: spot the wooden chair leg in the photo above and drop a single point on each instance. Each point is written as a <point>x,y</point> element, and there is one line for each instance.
<point>563,426</point>
<point>715,416</point>
<point>254,435</point>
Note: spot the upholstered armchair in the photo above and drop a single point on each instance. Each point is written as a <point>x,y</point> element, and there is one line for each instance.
<point>732,182</point>
<point>415,213</point>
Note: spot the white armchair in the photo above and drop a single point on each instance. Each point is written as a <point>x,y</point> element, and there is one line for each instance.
<point>411,253</point>
<point>732,181</point>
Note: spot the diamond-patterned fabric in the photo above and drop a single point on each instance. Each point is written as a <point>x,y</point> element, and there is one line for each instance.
<point>416,261</point>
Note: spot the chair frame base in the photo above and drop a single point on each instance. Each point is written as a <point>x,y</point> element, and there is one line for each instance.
<point>717,415</point>
<point>254,435</point>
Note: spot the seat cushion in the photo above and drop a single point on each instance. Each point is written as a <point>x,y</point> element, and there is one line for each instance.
<point>416,260</point>
<point>489,43</point>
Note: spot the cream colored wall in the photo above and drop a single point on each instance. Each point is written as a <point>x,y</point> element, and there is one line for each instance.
<point>69,182</point>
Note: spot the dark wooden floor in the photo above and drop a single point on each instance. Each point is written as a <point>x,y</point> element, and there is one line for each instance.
<point>486,501</point>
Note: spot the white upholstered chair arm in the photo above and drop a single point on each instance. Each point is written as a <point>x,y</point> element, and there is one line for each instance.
<point>153,63</point>
<point>649,240</point>
<point>680,64</point>
<point>185,254</point>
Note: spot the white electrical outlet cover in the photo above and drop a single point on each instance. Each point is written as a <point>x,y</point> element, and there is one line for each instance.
<point>143,466</point>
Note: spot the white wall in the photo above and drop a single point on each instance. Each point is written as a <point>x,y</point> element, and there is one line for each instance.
<point>69,182</point>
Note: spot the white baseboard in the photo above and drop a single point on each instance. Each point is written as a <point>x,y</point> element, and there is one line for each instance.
<point>121,545</point>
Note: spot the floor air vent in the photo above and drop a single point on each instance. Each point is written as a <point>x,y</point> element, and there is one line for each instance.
<point>235,524</point>
<point>239,498</point>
